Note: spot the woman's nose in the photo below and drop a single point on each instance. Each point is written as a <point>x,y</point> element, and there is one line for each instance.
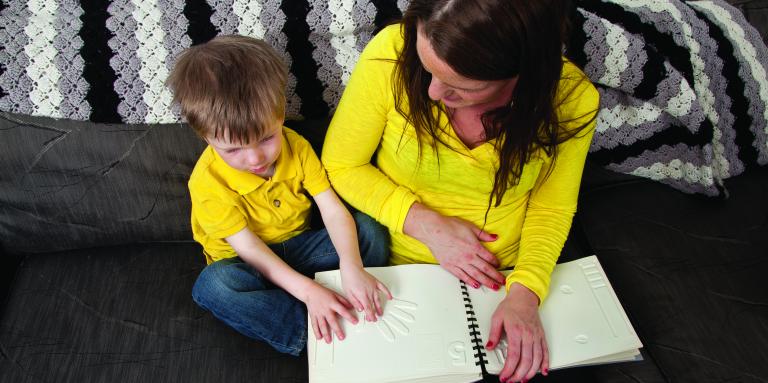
<point>437,90</point>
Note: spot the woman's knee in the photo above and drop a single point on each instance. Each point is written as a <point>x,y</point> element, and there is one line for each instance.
<point>374,240</point>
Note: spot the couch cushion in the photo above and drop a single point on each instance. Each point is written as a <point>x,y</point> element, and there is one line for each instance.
<point>125,314</point>
<point>690,271</point>
<point>67,184</point>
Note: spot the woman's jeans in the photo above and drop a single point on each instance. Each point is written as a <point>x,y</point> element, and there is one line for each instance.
<point>241,297</point>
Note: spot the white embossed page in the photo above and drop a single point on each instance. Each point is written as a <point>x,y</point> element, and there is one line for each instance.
<point>422,336</point>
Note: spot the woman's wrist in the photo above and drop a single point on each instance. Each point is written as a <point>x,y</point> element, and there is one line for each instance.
<point>521,293</point>
<point>417,215</point>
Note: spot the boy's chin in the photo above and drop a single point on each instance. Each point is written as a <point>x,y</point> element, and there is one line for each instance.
<point>265,171</point>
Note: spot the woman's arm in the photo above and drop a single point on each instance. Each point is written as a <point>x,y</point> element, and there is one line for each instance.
<point>547,222</point>
<point>356,131</point>
<point>553,199</point>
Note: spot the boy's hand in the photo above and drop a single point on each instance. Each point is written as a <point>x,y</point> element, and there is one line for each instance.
<point>323,305</point>
<point>363,289</point>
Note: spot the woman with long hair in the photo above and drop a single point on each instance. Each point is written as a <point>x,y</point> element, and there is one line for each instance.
<point>464,130</point>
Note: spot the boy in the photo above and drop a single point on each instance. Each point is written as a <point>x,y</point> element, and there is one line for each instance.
<point>250,209</point>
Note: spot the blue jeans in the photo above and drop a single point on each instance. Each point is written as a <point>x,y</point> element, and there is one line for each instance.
<point>241,297</point>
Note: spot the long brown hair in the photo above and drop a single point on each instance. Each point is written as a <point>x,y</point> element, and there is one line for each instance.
<point>490,40</point>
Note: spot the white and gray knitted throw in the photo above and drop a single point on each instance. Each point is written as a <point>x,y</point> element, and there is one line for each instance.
<point>683,84</point>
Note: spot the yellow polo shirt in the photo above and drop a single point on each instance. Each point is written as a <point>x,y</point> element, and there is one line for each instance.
<point>535,215</point>
<point>226,200</point>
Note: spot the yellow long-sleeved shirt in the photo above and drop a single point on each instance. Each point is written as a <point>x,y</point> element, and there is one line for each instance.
<point>535,215</point>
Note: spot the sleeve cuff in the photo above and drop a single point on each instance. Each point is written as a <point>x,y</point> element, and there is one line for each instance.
<point>531,280</point>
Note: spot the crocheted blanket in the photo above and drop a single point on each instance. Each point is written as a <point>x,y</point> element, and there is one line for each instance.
<point>683,84</point>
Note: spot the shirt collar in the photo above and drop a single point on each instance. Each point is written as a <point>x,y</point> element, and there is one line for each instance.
<point>246,182</point>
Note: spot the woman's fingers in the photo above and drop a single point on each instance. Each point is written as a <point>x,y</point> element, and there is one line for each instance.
<point>527,346</point>
<point>544,356</point>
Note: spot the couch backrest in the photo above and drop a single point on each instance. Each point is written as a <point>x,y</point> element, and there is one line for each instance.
<point>67,184</point>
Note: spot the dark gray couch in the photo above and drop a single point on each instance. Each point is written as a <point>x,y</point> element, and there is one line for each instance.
<point>98,264</point>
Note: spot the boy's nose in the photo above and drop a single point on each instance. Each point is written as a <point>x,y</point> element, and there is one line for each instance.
<point>255,157</point>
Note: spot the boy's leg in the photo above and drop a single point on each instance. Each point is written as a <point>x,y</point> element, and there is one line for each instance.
<point>373,239</point>
<point>241,297</point>
<point>313,251</point>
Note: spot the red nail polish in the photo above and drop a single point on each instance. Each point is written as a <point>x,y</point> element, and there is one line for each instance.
<point>495,287</point>
<point>494,236</point>
<point>489,344</point>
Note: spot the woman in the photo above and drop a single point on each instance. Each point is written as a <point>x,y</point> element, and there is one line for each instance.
<point>480,130</point>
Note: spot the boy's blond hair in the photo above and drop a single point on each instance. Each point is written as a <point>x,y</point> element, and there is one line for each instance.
<point>231,85</point>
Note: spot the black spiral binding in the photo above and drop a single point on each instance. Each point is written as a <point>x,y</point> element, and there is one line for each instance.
<point>474,332</point>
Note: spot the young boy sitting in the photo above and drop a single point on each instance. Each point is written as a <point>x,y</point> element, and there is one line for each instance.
<point>250,211</point>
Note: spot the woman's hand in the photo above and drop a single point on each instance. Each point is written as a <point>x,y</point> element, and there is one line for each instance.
<point>455,244</point>
<point>323,305</point>
<point>362,290</point>
<point>518,317</point>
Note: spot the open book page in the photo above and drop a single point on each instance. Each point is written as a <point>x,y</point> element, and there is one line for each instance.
<point>582,318</point>
<point>422,336</point>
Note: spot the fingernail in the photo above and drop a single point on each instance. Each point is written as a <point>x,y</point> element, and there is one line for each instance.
<point>489,344</point>
<point>546,371</point>
<point>495,286</point>
<point>494,236</point>
<point>475,285</point>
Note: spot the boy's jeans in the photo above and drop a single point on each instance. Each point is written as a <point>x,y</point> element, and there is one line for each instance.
<point>245,300</point>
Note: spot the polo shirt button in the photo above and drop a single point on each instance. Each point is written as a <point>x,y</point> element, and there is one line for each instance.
<point>276,203</point>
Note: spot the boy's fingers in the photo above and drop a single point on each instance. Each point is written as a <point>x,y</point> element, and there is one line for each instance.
<point>336,327</point>
<point>356,303</point>
<point>322,325</point>
<point>383,288</point>
<point>345,313</point>
<point>315,328</point>
<point>344,301</point>
<point>377,303</point>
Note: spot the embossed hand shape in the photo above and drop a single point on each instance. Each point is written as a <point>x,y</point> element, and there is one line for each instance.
<point>397,314</point>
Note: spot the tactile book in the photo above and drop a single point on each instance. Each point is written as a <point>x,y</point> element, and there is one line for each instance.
<point>435,327</point>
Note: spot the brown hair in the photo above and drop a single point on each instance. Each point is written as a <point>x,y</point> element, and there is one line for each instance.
<point>506,38</point>
<point>233,85</point>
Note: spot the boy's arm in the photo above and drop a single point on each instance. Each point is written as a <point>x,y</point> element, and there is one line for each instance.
<point>322,304</point>
<point>362,288</point>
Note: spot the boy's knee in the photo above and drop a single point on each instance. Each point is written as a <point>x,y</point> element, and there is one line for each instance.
<point>374,240</point>
<point>209,284</point>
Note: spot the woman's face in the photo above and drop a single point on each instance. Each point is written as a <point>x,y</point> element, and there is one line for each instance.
<point>454,90</point>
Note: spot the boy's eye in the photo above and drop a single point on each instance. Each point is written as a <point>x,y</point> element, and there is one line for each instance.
<point>268,138</point>
<point>233,150</point>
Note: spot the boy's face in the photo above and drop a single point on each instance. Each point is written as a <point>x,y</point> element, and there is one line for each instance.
<point>257,157</point>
